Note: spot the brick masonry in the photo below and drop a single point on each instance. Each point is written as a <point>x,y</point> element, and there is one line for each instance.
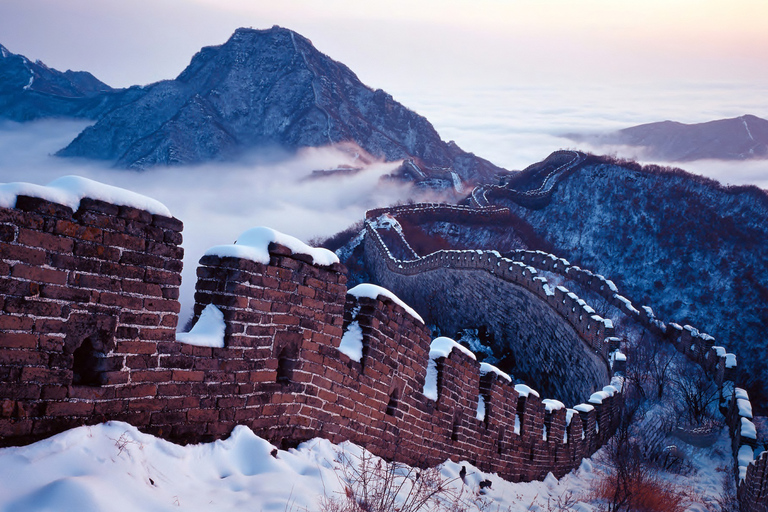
<point>90,305</point>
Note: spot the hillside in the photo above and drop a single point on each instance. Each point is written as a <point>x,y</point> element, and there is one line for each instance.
<point>268,88</point>
<point>738,138</point>
<point>689,247</point>
<point>31,90</point>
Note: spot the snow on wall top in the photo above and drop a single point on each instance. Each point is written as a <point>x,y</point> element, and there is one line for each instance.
<point>524,390</point>
<point>553,405</point>
<point>254,245</point>
<point>372,291</point>
<point>486,368</point>
<point>70,190</point>
<point>442,347</point>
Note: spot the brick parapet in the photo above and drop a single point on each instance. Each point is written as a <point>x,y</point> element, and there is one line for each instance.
<point>107,275</point>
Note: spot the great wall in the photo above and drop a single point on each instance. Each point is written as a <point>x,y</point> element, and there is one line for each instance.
<point>89,300</point>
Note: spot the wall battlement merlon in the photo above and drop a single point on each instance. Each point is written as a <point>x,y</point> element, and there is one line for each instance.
<point>280,362</point>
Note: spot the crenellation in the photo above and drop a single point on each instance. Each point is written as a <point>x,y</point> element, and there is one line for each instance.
<point>87,334</point>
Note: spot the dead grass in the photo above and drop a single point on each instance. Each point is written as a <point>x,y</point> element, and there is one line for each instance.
<point>647,493</point>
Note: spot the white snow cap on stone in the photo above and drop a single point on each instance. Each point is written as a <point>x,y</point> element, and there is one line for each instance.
<point>745,408</point>
<point>486,368</point>
<point>442,347</point>
<point>584,408</point>
<point>208,331</point>
<point>70,190</point>
<point>748,429</point>
<point>254,245</point>
<point>552,405</point>
<point>741,393</point>
<point>372,291</point>
<point>598,397</point>
<point>720,351</point>
<point>524,390</point>
<point>745,458</point>
<point>730,360</point>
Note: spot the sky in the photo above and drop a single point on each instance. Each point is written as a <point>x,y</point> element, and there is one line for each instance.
<point>505,79</point>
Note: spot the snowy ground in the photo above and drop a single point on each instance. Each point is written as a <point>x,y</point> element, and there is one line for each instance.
<point>115,467</point>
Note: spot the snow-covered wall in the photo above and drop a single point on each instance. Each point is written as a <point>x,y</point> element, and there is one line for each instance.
<point>87,334</point>
<point>549,333</point>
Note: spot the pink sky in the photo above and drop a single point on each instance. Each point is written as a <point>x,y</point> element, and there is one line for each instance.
<point>405,43</point>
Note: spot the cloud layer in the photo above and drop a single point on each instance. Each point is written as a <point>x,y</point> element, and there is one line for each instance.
<point>216,202</point>
<point>512,127</point>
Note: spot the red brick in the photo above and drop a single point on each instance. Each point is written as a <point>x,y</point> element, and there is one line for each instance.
<point>68,408</point>
<point>73,230</point>
<point>12,252</point>
<point>98,251</point>
<point>65,293</point>
<point>17,340</point>
<point>136,391</point>
<point>129,318</point>
<point>121,300</point>
<point>188,376</point>
<point>141,288</point>
<point>122,270</point>
<point>124,241</point>
<point>136,347</point>
<point>7,233</point>
<point>151,376</point>
<point>13,323</point>
<point>156,304</point>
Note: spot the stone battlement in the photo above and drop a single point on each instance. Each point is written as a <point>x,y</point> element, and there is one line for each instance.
<point>87,334</point>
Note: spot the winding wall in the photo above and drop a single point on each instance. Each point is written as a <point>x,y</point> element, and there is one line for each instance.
<point>89,308</point>
<point>548,330</point>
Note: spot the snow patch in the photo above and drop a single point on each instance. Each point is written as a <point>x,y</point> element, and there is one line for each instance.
<point>524,390</point>
<point>372,291</point>
<point>598,397</point>
<point>430,381</point>
<point>745,408</point>
<point>486,368</point>
<point>480,415</point>
<point>254,245</point>
<point>552,405</point>
<point>352,342</point>
<point>442,347</point>
<point>748,429</point>
<point>208,331</point>
<point>70,190</point>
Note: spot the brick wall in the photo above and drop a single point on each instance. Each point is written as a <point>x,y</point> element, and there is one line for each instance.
<point>548,334</point>
<point>89,302</point>
<point>85,296</point>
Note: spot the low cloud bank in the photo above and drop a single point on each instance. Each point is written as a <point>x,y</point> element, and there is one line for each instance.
<point>217,202</point>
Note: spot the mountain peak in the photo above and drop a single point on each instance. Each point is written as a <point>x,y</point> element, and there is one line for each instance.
<point>268,87</point>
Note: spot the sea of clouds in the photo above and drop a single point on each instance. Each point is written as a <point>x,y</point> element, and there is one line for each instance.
<point>512,127</point>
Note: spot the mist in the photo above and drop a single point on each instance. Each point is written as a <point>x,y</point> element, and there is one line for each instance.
<point>216,202</point>
<point>512,127</point>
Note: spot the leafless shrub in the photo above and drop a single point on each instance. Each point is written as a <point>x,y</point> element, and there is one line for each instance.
<point>374,485</point>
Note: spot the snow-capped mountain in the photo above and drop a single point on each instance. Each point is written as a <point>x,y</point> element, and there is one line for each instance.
<point>31,90</point>
<point>266,88</point>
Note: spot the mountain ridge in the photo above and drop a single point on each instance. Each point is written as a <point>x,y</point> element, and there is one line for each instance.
<point>737,138</point>
<point>267,88</point>
<point>31,90</point>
